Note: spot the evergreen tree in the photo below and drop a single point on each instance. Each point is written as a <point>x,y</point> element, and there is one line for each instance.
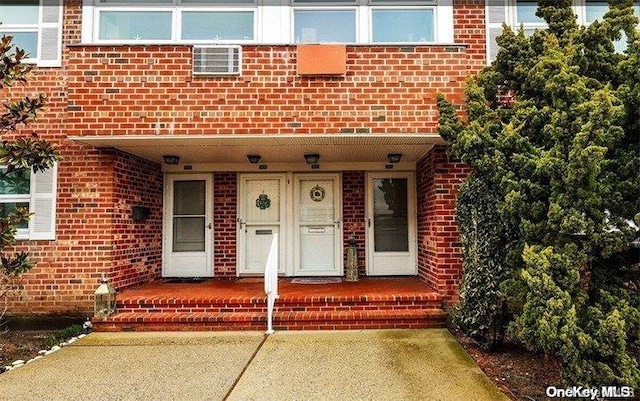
<point>552,133</point>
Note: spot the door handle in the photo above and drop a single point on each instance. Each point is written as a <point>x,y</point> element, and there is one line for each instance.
<point>368,222</point>
<point>209,226</point>
<point>337,223</point>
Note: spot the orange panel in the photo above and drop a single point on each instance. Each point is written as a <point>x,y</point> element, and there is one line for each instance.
<point>322,60</point>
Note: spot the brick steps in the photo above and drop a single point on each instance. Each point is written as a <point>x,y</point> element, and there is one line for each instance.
<point>291,313</point>
<point>333,320</point>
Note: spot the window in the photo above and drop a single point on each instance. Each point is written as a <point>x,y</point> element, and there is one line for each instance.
<point>34,191</point>
<point>135,25</point>
<point>402,25</point>
<point>595,11</point>
<point>526,12</point>
<point>315,26</point>
<point>168,21</point>
<point>217,25</point>
<point>35,26</point>
<point>213,22</point>
<point>521,13</point>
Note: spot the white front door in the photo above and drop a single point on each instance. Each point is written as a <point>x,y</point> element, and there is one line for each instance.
<point>317,228</point>
<point>260,215</point>
<point>391,224</point>
<point>188,226</point>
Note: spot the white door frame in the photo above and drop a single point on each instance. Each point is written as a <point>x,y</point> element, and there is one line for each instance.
<point>282,237</point>
<point>391,263</point>
<point>337,222</point>
<point>178,265</point>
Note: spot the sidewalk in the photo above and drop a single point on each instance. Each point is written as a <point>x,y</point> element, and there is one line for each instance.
<point>327,365</point>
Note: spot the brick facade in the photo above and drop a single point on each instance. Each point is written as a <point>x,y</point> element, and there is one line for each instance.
<point>224,224</point>
<point>149,90</point>
<point>439,248</point>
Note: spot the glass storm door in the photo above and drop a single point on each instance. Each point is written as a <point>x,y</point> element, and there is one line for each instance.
<point>391,224</point>
<point>260,216</point>
<point>318,240</point>
<point>188,226</point>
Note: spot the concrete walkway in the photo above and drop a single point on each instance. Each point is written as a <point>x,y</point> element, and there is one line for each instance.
<point>338,365</point>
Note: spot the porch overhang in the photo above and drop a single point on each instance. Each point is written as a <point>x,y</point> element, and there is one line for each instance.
<point>229,152</point>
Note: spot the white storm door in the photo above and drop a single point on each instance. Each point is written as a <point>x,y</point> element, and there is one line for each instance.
<point>391,224</point>
<point>188,226</point>
<point>318,239</point>
<point>261,212</point>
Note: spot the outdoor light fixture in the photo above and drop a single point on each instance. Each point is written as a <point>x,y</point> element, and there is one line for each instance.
<point>171,159</point>
<point>394,157</point>
<point>312,158</point>
<point>254,159</point>
<point>105,299</point>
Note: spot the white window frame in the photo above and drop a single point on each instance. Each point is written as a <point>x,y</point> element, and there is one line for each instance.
<point>511,18</point>
<point>356,20</point>
<point>32,199</point>
<point>273,21</point>
<point>178,25</point>
<point>176,9</point>
<point>38,29</point>
<point>21,233</point>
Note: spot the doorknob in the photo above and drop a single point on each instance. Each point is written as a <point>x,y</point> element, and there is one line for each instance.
<point>337,223</point>
<point>209,226</point>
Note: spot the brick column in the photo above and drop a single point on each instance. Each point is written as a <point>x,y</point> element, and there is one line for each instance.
<point>439,248</point>
<point>225,213</point>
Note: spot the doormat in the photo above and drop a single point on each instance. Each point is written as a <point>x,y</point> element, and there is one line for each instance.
<point>192,280</point>
<point>316,280</point>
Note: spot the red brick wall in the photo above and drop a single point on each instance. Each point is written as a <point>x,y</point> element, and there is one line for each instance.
<point>225,201</point>
<point>470,27</point>
<point>147,90</point>
<point>353,214</point>
<point>439,248</point>
<point>137,245</point>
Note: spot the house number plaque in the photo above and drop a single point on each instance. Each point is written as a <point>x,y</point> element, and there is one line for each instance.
<point>263,202</point>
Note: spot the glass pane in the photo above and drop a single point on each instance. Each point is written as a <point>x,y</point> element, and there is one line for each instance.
<point>7,207</point>
<point>391,228</point>
<point>135,25</point>
<point>15,183</point>
<point>218,2</point>
<point>595,10</point>
<point>19,12</point>
<point>189,198</point>
<point>336,2</point>
<point>28,41</point>
<point>137,1</point>
<point>231,25</point>
<point>188,234</point>
<point>402,25</point>
<point>313,26</point>
<point>526,11</point>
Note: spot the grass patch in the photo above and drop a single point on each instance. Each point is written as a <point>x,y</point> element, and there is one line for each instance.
<point>62,335</point>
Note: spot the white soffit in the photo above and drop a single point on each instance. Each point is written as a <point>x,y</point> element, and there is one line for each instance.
<point>272,148</point>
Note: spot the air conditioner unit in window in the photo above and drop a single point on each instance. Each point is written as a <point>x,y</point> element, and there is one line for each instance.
<point>217,60</point>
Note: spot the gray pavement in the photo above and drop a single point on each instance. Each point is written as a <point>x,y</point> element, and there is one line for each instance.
<point>326,365</point>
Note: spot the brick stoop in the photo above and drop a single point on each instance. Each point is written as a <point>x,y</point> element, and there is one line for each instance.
<point>293,311</point>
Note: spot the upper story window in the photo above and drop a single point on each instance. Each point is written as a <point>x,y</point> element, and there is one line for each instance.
<point>187,20</point>
<point>324,25</point>
<point>282,21</point>
<point>34,191</point>
<point>35,26</point>
<point>403,25</point>
<point>521,13</point>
